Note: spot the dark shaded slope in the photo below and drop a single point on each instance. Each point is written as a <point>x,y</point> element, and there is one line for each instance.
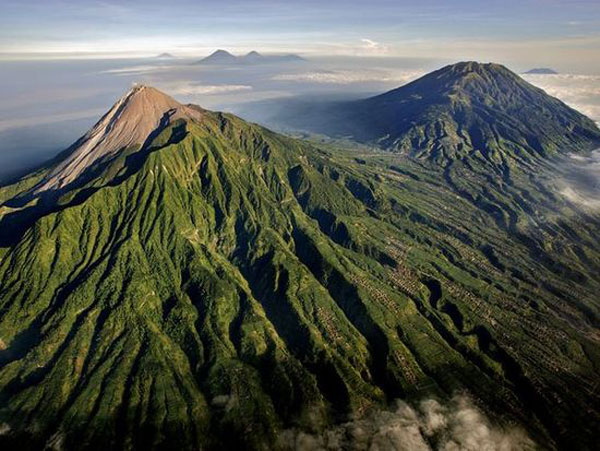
<point>466,109</point>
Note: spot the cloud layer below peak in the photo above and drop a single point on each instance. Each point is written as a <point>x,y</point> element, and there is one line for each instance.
<point>455,426</point>
<point>581,92</point>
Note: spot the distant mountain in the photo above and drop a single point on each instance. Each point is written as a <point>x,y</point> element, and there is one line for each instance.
<point>183,279</point>
<point>165,56</point>
<point>464,109</point>
<point>541,71</point>
<point>253,57</point>
<point>289,58</point>
<point>219,57</point>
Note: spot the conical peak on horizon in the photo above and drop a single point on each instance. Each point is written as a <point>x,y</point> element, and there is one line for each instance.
<point>165,55</point>
<point>252,56</point>
<point>221,52</point>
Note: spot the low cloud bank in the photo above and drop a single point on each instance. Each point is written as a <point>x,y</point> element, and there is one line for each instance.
<point>135,70</point>
<point>581,184</point>
<point>187,88</point>
<point>456,426</point>
<point>344,77</point>
<point>581,92</point>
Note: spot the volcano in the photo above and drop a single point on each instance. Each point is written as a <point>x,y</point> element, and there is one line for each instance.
<point>183,279</point>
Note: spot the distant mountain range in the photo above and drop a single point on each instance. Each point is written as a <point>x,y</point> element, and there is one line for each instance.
<point>183,279</point>
<point>542,71</point>
<point>253,57</point>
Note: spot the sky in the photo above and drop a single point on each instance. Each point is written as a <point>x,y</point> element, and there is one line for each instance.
<point>544,32</point>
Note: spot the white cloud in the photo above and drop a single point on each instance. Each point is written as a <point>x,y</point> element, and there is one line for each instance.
<point>581,199</point>
<point>362,47</point>
<point>4,429</point>
<point>581,184</point>
<point>136,70</point>
<point>374,47</point>
<point>193,89</point>
<point>457,426</point>
<point>210,89</point>
<point>581,92</point>
<point>351,76</point>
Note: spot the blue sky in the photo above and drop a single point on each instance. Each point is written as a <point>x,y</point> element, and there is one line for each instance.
<point>553,31</point>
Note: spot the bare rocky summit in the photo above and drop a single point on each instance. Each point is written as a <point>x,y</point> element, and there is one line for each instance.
<point>129,123</point>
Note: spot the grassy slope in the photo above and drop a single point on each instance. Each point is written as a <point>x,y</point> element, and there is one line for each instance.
<point>234,282</point>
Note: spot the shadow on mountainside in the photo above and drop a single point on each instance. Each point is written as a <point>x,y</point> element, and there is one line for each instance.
<point>14,225</point>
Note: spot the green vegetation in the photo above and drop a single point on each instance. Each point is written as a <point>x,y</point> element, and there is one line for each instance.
<point>226,283</point>
<point>465,110</point>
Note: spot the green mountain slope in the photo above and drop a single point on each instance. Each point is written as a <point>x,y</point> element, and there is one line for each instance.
<point>468,109</point>
<point>219,283</point>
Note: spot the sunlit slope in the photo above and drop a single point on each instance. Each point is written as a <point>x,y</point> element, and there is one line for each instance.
<point>225,283</point>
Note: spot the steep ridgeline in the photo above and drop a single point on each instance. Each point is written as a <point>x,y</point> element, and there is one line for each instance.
<point>127,126</point>
<point>200,282</point>
<point>469,109</point>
